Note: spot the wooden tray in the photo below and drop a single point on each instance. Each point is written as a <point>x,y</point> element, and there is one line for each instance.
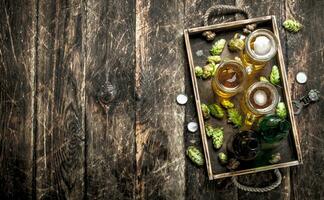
<point>289,149</point>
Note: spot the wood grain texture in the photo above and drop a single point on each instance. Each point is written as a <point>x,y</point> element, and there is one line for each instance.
<point>17,59</point>
<point>197,184</point>
<point>305,53</point>
<point>159,79</point>
<point>60,101</point>
<point>110,108</point>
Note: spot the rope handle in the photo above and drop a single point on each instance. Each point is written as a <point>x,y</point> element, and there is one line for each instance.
<point>226,9</point>
<point>258,189</point>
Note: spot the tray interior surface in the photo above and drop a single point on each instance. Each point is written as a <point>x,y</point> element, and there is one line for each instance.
<point>198,43</point>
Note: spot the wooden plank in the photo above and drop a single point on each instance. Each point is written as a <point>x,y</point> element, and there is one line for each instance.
<point>265,178</point>
<point>159,120</point>
<point>305,53</point>
<point>197,184</point>
<point>17,59</point>
<point>110,104</point>
<point>60,101</point>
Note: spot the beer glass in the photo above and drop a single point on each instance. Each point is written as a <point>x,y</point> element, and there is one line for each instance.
<point>229,79</point>
<point>260,47</point>
<point>260,98</point>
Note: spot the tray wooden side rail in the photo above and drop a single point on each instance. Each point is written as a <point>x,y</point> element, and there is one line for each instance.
<point>290,149</point>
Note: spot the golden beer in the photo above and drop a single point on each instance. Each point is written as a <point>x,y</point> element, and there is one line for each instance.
<point>229,79</point>
<point>260,47</point>
<point>259,99</point>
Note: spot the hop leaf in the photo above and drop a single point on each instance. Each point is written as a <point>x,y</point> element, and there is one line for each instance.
<point>195,155</point>
<point>292,25</point>
<point>264,79</point>
<point>198,71</point>
<point>218,47</point>
<point>274,75</point>
<point>281,110</point>
<point>227,104</point>
<point>205,111</point>
<point>216,111</point>
<point>234,117</point>
<point>214,59</point>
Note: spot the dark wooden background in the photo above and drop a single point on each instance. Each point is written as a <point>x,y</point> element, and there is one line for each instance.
<point>87,100</point>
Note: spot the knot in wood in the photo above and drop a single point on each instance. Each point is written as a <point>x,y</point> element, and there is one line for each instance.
<point>73,125</point>
<point>106,94</point>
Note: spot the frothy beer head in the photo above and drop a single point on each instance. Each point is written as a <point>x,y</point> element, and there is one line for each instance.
<point>262,97</point>
<point>261,45</point>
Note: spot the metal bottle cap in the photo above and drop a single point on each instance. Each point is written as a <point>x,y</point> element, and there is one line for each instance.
<point>192,127</point>
<point>182,99</point>
<point>301,77</point>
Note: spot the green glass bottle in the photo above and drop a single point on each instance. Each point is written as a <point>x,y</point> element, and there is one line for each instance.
<point>273,130</point>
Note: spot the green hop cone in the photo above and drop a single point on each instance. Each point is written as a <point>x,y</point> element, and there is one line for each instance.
<point>216,111</point>
<point>236,45</point>
<point>218,141</point>
<point>234,117</point>
<point>227,104</point>
<point>264,79</point>
<point>223,159</point>
<point>209,70</point>
<point>205,111</point>
<point>292,25</point>
<point>209,130</point>
<point>195,155</point>
<point>199,72</point>
<point>214,59</point>
<point>217,135</point>
<point>281,110</point>
<point>218,47</point>
<point>213,132</point>
<point>275,75</point>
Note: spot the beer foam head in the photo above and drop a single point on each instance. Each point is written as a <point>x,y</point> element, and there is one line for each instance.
<point>260,98</point>
<point>262,45</point>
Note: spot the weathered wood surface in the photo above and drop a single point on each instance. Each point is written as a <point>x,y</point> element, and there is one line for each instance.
<point>17,59</point>
<point>160,160</point>
<point>60,101</point>
<point>109,46</point>
<point>305,53</point>
<point>88,105</point>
